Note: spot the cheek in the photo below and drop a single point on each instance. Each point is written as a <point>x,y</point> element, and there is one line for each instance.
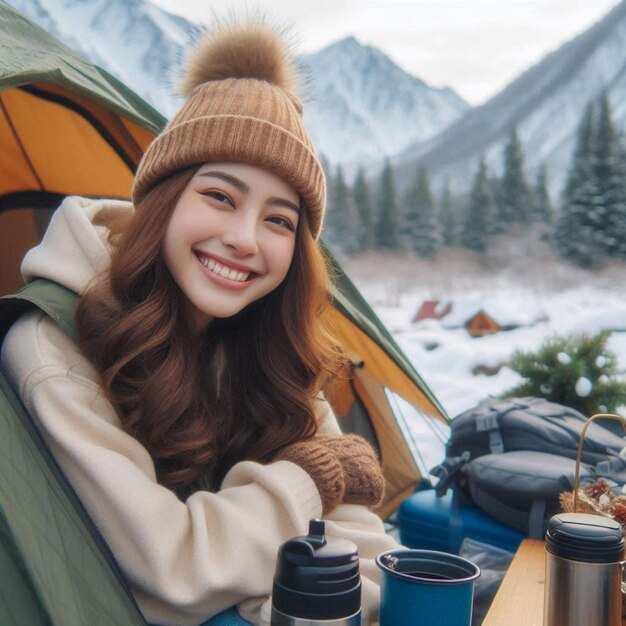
<point>180,232</point>
<point>176,245</point>
<point>282,258</point>
<point>168,248</point>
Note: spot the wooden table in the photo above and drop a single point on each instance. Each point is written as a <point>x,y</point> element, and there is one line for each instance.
<point>519,601</point>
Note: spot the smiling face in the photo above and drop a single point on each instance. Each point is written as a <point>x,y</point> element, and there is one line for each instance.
<point>231,238</point>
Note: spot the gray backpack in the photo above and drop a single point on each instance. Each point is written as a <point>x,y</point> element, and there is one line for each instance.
<point>514,457</point>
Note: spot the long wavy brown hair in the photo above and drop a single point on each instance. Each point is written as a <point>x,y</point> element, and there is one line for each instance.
<point>244,391</point>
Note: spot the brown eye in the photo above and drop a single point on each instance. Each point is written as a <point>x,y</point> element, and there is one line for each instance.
<point>282,221</point>
<point>219,196</point>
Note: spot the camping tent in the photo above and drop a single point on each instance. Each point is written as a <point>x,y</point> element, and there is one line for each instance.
<point>68,127</point>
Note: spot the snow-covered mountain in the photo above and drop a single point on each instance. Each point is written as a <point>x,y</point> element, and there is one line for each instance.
<point>364,106</point>
<point>545,104</point>
<point>360,102</point>
<point>134,40</point>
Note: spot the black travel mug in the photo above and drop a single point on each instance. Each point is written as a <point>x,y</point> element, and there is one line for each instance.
<point>317,581</point>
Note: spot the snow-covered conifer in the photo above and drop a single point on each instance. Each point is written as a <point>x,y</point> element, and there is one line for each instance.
<point>388,226</point>
<point>583,205</point>
<point>480,214</point>
<point>448,217</point>
<point>363,202</point>
<point>516,194</point>
<point>543,208</point>
<point>421,229</point>
<point>577,371</point>
<point>342,224</point>
<point>611,214</point>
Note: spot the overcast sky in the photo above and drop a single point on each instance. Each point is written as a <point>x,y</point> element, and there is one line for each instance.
<point>474,46</point>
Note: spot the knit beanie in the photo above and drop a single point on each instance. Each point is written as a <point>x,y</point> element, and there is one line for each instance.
<point>241,106</point>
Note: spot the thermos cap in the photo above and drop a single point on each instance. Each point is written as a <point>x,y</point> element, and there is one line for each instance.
<point>317,577</point>
<point>586,538</point>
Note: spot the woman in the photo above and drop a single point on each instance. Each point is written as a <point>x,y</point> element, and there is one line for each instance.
<point>189,417</point>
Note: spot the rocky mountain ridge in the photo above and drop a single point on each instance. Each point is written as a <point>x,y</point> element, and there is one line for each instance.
<point>359,101</point>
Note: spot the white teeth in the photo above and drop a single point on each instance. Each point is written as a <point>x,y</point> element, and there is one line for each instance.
<point>222,270</point>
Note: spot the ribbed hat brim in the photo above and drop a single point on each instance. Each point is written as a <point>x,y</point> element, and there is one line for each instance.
<point>237,138</point>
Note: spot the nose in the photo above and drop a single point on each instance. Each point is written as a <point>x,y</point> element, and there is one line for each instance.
<point>240,235</point>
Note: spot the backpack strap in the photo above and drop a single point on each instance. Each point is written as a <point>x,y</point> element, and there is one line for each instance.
<point>490,423</point>
<point>449,471</point>
<point>612,464</point>
<point>532,523</point>
<point>53,299</point>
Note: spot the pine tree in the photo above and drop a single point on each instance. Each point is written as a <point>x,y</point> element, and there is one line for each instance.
<point>621,248</point>
<point>495,185</point>
<point>421,224</point>
<point>480,214</point>
<point>363,203</point>
<point>447,217</point>
<point>543,209</point>
<point>342,224</point>
<point>517,203</point>
<point>576,226</point>
<point>388,230</point>
<point>577,371</point>
<point>610,215</point>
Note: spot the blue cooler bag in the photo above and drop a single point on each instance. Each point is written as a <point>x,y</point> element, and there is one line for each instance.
<point>429,522</point>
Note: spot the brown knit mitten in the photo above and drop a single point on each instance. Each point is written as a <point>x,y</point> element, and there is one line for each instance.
<point>362,473</point>
<point>344,468</point>
<point>322,465</point>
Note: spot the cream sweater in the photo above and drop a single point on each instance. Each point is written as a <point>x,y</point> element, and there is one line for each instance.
<point>184,561</point>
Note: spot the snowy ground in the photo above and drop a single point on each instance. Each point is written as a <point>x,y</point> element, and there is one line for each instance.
<point>553,297</point>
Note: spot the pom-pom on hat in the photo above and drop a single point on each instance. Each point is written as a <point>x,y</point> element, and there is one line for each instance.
<point>241,106</point>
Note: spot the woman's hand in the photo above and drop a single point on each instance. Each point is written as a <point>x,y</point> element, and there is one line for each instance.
<point>344,468</point>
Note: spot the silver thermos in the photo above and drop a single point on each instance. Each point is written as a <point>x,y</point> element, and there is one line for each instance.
<point>584,560</point>
<point>317,581</point>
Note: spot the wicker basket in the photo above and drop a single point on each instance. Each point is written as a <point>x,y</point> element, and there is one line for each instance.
<point>580,499</point>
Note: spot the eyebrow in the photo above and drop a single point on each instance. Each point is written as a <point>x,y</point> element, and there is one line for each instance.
<point>244,188</point>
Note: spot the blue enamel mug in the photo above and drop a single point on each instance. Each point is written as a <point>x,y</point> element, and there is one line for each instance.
<point>426,588</point>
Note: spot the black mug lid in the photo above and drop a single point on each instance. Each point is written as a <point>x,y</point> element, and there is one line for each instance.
<point>317,550</point>
<point>317,577</point>
<point>584,537</point>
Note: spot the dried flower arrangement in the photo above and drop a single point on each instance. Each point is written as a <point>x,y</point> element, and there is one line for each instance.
<point>597,498</point>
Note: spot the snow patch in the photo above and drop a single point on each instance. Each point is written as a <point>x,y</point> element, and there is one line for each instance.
<point>563,358</point>
<point>583,387</point>
<point>447,357</point>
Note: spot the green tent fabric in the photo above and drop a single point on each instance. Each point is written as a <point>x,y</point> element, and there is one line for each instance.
<point>29,54</point>
<point>66,128</point>
<point>54,566</point>
<point>348,299</point>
